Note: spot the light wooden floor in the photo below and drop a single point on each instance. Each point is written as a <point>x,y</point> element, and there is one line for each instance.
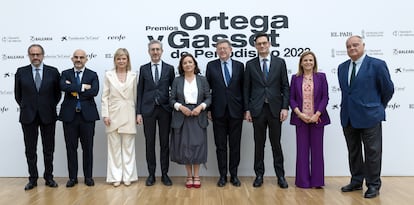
<point>395,190</point>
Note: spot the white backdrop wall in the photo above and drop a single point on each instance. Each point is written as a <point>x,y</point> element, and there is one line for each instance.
<point>100,27</point>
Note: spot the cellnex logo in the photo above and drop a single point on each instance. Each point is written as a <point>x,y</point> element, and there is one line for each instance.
<point>194,28</point>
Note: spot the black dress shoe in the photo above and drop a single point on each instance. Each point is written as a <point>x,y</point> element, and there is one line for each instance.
<point>222,181</point>
<point>351,187</point>
<point>281,181</point>
<point>165,179</point>
<point>51,183</point>
<point>372,192</point>
<point>89,182</point>
<point>235,181</point>
<point>71,182</point>
<point>150,180</point>
<point>30,185</point>
<point>258,181</point>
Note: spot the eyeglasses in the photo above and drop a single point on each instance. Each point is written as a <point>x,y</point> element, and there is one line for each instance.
<point>35,54</point>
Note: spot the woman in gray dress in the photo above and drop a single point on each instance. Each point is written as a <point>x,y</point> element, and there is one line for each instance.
<point>190,96</point>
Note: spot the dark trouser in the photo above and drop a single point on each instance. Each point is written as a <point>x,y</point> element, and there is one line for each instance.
<point>227,129</point>
<point>370,167</point>
<point>82,130</point>
<point>164,122</point>
<point>260,124</point>
<point>47,132</point>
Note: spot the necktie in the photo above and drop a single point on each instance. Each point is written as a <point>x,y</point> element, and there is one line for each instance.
<point>352,73</point>
<point>157,75</point>
<point>38,80</point>
<point>265,69</point>
<point>226,73</point>
<point>78,105</point>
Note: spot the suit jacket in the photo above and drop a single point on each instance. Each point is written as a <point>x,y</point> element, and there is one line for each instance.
<point>31,101</point>
<point>177,95</point>
<point>68,85</point>
<point>119,101</point>
<point>256,88</point>
<point>363,104</point>
<point>320,98</point>
<point>223,96</point>
<point>147,89</point>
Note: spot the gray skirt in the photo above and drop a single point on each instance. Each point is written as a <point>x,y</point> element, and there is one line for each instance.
<point>188,144</point>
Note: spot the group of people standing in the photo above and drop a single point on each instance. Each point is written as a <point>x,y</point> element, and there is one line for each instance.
<point>181,106</point>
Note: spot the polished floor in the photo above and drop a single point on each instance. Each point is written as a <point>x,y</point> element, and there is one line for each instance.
<point>395,190</point>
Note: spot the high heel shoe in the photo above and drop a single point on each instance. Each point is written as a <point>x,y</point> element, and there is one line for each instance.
<point>197,182</point>
<point>189,183</point>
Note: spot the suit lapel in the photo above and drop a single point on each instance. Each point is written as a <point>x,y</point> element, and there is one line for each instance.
<point>315,83</point>
<point>220,72</point>
<point>259,71</point>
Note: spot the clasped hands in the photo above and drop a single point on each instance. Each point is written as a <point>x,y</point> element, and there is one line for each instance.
<point>187,112</point>
<point>309,119</point>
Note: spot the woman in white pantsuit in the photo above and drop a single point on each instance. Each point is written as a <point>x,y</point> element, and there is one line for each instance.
<point>118,113</point>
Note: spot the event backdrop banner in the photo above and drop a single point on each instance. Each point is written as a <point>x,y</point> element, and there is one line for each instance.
<point>100,27</point>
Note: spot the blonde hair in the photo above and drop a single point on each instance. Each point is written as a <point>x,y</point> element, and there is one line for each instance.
<point>315,65</point>
<point>120,52</point>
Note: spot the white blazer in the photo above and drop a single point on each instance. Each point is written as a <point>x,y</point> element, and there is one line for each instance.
<point>119,101</point>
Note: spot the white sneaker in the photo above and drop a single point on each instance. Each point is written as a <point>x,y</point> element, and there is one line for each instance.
<point>127,183</point>
<point>116,184</point>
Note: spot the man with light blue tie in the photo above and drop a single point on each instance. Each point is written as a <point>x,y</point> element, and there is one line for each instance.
<point>37,92</point>
<point>78,113</point>
<point>225,77</point>
<point>366,88</point>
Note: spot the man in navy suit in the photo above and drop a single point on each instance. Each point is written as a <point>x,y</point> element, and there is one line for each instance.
<point>37,92</point>
<point>78,113</point>
<point>225,77</point>
<point>366,90</point>
<point>153,91</point>
<point>266,100</point>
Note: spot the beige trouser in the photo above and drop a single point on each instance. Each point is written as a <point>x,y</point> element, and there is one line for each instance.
<point>121,158</point>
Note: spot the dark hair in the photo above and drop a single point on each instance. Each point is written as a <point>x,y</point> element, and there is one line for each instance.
<point>180,66</point>
<point>36,45</point>
<point>261,34</point>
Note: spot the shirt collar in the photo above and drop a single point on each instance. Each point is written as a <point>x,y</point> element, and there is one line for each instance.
<point>40,67</point>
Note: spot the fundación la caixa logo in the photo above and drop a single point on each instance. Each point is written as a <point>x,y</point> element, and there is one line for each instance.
<point>193,34</point>
<point>79,38</point>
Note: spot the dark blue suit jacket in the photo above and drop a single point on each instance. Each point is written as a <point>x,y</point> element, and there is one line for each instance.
<point>177,95</point>
<point>68,85</point>
<point>147,89</point>
<point>363,104</point>
<point>31,101</point>
<point>223,96</point>
<point>276,87</point>
<point>320,98</point>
